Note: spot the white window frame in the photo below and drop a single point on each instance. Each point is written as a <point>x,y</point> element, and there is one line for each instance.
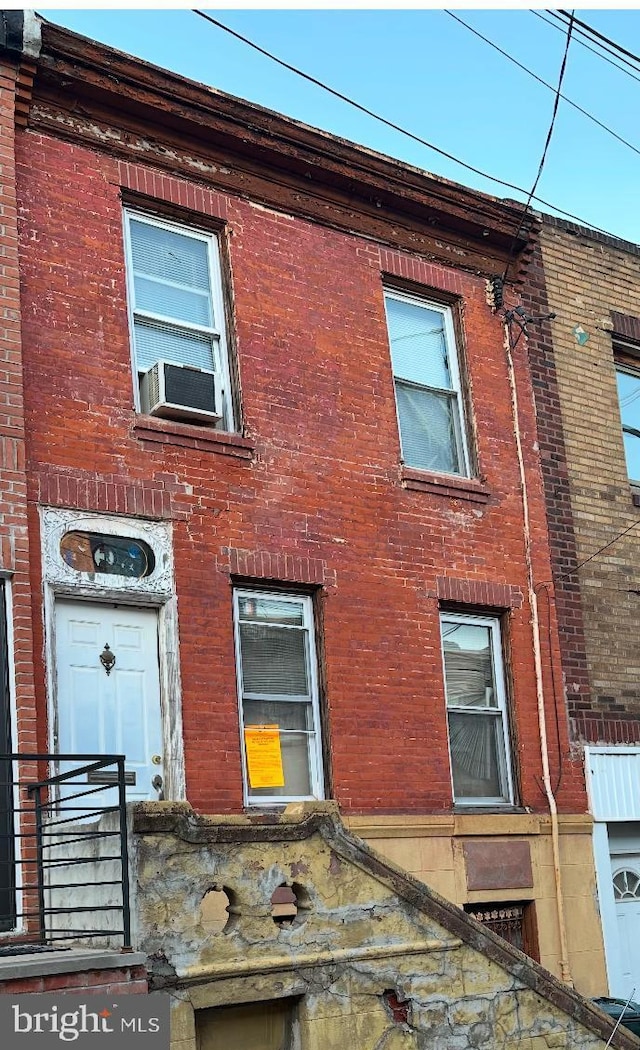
<point>316,771</point>
<point>455,393</point>
<point>217,334</point>
<point>500,710</point>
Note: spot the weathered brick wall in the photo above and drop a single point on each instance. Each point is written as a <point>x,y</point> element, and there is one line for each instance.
<point>126,980</point>
<point>316,478</point>
<point>14,546</point>
<point>566,589</point>
<point>589,498</point>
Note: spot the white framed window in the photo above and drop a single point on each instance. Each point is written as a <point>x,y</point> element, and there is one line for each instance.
<point>278,697</point>
<point>176,305</point>
<point>476,709</point>
<point>628,382</point>
<point>428,392</point>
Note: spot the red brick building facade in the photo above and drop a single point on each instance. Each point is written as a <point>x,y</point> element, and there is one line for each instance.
<point>306,527</point>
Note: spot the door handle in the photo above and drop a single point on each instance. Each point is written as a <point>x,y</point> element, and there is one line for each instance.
<point>156,783</point>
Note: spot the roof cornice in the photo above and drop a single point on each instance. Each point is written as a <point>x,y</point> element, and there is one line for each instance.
<point>282,162</point>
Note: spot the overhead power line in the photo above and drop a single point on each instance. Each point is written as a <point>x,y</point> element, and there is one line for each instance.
<point>598,54</point>
<point>545,150</point>
<point>535,76</point>
<point>600,36</point>
<point>391,124</point>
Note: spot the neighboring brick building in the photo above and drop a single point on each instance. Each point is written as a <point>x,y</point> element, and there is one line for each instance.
<point>586,368</point>
<point>287,584</point>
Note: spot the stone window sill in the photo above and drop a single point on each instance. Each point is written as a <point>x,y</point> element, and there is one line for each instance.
<point>445,485</point>
<point>167,432</point>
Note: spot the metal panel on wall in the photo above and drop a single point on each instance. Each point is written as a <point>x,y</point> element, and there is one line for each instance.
<point>613,782</point>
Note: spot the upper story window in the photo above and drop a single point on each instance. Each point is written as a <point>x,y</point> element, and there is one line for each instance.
<point>278,694</point>
<point>178,322</point>
<point>476,710</point>
<point>628,381</point>
<point>427,384</point>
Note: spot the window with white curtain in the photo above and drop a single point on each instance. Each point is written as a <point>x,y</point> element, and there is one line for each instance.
<point>476,709</point>
<point>278,694</point>
<point>427,384</point>
<point>175,300</point>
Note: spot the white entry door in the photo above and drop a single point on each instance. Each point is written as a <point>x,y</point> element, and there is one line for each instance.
<point>108,688</point>
<point>625,869</point>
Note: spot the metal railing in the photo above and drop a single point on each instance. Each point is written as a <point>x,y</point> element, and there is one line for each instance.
<point>64,869</point>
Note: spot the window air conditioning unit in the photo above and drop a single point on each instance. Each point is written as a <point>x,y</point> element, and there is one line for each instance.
<point>181,392</point>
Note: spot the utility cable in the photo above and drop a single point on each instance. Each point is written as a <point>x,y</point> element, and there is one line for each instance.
<point>391,124</point>
<point>594,33</point>
<point>577,39</point>
<point>596,554</point>
<point>594,40</point>
<point>544,151</point>
<point>564,98</point>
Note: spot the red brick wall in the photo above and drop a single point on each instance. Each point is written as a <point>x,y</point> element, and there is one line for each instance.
<point>14,540</point>
<point>126,980</point>
<point>323,482</point>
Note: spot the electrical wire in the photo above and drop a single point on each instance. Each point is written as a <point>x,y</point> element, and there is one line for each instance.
<point>535,76</point>
<point>595,554</point>
<point>584,26</point>
<point>577,39</point>
<point>545,150</point>
<point>391,124</point>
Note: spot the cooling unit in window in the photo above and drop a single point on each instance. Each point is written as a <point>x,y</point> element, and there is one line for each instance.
<point>181,392</point>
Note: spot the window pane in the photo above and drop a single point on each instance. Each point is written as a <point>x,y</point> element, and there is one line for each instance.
<point>468,664</point>
<point>629,396</point>
<point>270,610</point>
<point>177,264</point>
<point>295,766</point>
<point>632,453</point>
<point>294,746</point>
<point>477,756</point>
<point>274,660</point>
<point>155,342</point>
<point>629,399</point>
<point>285,714</point>
<point>418,344</point>
<point>428,429</point>
<point>169,301</point>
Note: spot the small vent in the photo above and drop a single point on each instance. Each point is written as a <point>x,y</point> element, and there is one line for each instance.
<point>181,392</point>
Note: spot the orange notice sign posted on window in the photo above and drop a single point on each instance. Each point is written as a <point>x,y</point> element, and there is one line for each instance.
<point>264,756</point>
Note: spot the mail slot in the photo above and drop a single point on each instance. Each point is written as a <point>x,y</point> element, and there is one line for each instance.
<point>109,776</point>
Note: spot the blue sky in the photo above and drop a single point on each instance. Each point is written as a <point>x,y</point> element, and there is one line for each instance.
<point>422,70</point>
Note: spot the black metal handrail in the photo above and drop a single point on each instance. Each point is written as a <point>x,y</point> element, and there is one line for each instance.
<point>61,833</point>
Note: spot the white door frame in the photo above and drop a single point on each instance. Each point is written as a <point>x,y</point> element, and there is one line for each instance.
<point>155,591</point>
<point>609,807</point>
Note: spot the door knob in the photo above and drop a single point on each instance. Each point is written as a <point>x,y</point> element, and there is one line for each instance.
<point>156,783</point>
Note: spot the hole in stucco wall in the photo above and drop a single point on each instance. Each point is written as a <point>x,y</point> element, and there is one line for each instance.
<point>218,911</point>
<point>397,1007</point>
<point>289,904</point>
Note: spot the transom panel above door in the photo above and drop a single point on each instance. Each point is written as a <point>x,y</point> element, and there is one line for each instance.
<point>108,688</point>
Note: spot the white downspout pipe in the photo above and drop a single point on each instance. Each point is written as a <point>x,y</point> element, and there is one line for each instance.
<point>565,970</point>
